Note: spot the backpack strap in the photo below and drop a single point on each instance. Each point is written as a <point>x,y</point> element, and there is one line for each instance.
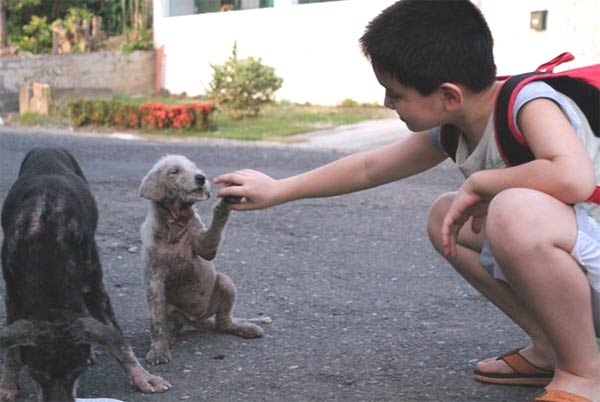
<point>449,140</point>
<point>510,141</point>
<point>582,85</point>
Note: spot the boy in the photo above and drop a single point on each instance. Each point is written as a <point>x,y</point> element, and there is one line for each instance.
<point>523,236</point>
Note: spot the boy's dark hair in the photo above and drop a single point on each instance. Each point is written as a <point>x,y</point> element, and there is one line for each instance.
<point>424,43</point>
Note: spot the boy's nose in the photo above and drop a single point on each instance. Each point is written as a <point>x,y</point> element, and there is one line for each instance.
<point>387,103</point>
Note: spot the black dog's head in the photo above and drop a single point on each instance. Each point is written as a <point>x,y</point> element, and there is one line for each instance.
<point>57,353</point>
<point>56,368</point>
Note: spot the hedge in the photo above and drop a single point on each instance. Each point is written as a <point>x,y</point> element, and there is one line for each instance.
<point>149,115</point>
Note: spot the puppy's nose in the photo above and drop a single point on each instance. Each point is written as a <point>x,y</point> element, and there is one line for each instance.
<point>200,179</point>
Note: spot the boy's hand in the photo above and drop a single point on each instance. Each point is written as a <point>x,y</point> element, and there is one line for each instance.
<point>467,204</point>
<point>255,190</point>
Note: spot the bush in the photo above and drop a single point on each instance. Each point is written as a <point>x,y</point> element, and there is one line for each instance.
<point>150,115</point>
<point>348,102</point>
<point>77,113</point>
<point>37,36</point>
<point>189,115</point>
<point>241,87</point>
<point>126,116</point>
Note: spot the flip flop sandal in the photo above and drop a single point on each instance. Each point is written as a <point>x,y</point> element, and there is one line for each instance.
<point>524,372</point>
<point>554,395</point>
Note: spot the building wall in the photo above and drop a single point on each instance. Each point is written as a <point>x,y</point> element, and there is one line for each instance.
<point>314,47</point>
<point>108,71</point>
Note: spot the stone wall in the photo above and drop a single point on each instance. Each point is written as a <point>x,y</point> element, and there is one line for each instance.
<point>93,73</point>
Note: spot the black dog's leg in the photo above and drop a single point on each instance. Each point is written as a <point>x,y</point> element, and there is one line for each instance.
<point>9,385</point>
<point>99,306</point>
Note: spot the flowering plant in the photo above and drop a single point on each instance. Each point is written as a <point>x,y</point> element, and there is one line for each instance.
<point>150,115</point>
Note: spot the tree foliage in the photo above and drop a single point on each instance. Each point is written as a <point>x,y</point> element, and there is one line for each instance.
<point>130,17</point>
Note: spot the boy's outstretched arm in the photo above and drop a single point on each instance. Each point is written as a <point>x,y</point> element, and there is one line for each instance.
<point>562,168</point>
<point>355,172</point>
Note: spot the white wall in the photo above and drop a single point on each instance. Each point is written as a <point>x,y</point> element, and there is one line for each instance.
<point>314,47</point>
<point>572,25</point>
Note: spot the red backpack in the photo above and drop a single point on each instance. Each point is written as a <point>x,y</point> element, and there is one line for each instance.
<point>582,85</point>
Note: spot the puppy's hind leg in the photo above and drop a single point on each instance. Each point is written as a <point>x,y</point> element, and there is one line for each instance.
<point>175,321</point>
<point>224,300</point>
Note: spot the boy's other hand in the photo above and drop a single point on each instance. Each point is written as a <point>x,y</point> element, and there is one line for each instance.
<point>465,205</point>
<point>254,189</point>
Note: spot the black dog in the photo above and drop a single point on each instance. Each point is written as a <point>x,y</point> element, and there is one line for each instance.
<point>56,304</point>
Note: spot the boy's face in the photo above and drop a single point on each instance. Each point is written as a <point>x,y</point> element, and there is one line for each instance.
<point>417,111</point>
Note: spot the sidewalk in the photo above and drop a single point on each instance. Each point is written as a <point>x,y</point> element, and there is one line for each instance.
<point>354,137</point>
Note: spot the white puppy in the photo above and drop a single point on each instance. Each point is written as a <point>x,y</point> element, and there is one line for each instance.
<point>182,284</point>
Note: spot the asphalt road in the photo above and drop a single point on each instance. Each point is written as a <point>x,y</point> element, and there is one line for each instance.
<point>362,307</point>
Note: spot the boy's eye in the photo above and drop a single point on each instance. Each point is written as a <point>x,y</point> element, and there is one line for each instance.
<point>392,95</point>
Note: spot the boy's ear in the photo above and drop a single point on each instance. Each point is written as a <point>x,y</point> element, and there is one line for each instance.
<point>452,96</point>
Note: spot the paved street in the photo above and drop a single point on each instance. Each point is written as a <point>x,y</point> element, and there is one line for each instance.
<point>362,308</point>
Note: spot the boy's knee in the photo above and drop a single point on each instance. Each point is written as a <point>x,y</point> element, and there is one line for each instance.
<point>508,213</point>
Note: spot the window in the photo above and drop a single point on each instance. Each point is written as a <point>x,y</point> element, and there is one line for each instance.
<point>212,6</point>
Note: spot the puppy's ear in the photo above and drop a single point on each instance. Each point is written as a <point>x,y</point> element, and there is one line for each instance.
<point>151,188</point>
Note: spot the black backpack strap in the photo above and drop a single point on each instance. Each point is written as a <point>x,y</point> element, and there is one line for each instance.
<point>511,143</point>
<point>449,140</point>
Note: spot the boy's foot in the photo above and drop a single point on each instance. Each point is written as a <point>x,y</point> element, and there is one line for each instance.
<point>553,395</point>
<point>512,368</point>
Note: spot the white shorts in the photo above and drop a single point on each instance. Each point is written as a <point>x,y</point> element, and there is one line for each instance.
<point>586,252</point>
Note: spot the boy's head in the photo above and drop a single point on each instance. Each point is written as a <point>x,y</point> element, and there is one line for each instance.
<point>424,43</point>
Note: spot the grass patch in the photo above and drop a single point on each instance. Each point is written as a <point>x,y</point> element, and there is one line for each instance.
<point>276,122</point>
<point>36,119</point>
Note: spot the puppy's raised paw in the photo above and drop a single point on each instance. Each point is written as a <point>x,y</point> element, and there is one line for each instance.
<point>232,199</point>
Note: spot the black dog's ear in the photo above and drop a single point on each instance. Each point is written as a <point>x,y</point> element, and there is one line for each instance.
<point>151,188</point>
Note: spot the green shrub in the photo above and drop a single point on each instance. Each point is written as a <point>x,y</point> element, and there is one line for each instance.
<point>71,25</point>
<point>137,40</point>
<point>348,102</point>
<point>126,116</point>
<point>37,36</point>
<point>240,87</point>
<point>77,113</point>
<point>100,112</point>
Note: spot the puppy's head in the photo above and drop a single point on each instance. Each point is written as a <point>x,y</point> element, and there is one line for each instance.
<point>174,178</point>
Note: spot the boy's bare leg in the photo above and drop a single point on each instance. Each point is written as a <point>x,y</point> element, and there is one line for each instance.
<point>467,264</point>
<point>546,278</point>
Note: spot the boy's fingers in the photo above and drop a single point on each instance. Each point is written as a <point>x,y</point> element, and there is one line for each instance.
<point>236,177</point>
<point>241,206</point>
<point>231,191</point>
<point>450,229</point>
<point>227,178</point>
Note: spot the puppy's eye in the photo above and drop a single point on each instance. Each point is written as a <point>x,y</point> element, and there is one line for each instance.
<point>174,171</point>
